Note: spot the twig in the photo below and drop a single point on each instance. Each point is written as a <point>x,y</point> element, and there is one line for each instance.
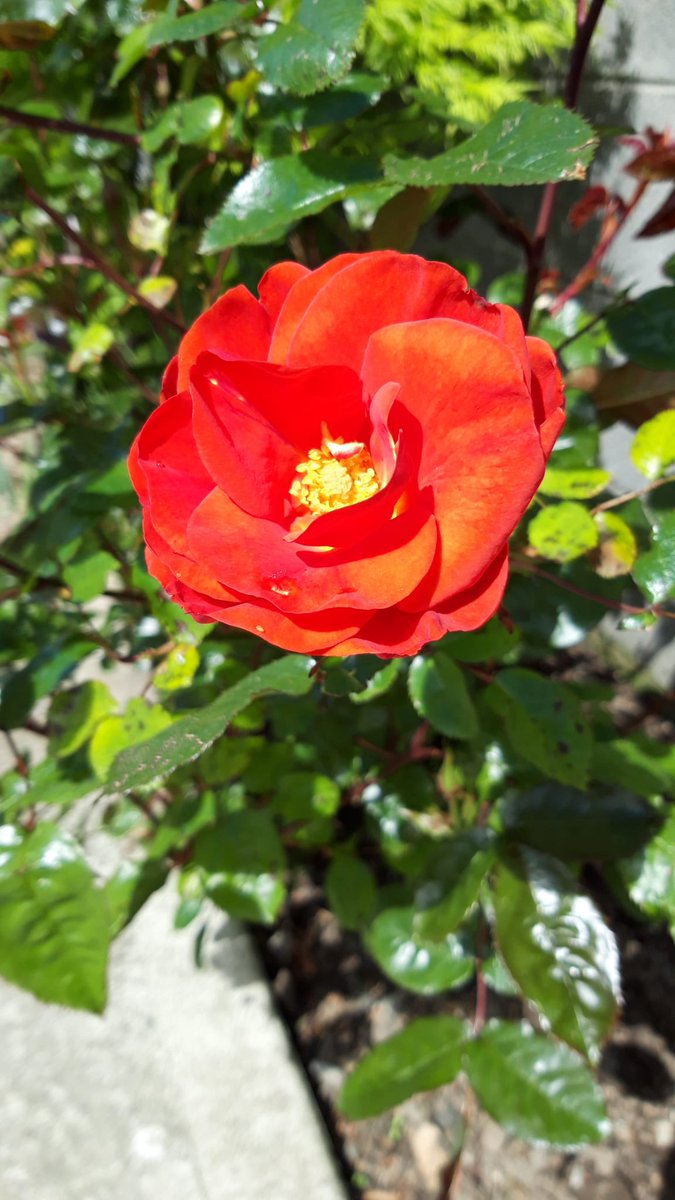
<point>19,761</point>
<point>61,125</point>
<point>527,568</point>
<point>626,496</point>
<point>586,23</point>
<point>158,315</point>
<point>509,225</point>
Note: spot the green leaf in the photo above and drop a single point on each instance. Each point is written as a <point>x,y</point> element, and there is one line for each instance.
<point>578,825</point>
<point>544,723</point>
<point>653,449</point>
<point>654,570</point>
<point>191,735</point>
<point>424,1056</point>
<point>452,881</point>
<point>523,143</point>
<point>276,194</point>
<point>644,329</point>
<point>313,50</point>
<point>53,920</point>
<point>534,1087</point>
<point>306,801</point>
<point>38,678</point>
<point>127,890</point>
<point>74,715</point>
<point>245,861</point>
<point>650,875</point>
<point>134,727</point>
<point>563,531</point>
<point>578,484</point>
<point>646,767</point>
<point>557,948</point>
<point>178,669</point>
<point>86,574</point>
<point>493,642</point>
<point>130,51</point>
<point>351,891</point>
<point>189,121</point>
<point>54,782</point>
<point>222,14</point>
<point>158,289</point>
<point>414,962</point>
<point>90,345</point>
<point>439,694</point>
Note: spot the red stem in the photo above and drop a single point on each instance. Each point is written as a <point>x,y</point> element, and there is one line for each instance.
<point>535,264</point>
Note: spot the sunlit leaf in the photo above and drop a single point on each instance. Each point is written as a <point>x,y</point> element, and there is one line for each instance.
<point>424,1056</point>
<point>563,531</point>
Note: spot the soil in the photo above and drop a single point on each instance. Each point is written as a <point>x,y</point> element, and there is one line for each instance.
<point>338,1004</point>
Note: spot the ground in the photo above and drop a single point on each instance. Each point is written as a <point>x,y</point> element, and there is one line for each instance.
<point>338,1004</point>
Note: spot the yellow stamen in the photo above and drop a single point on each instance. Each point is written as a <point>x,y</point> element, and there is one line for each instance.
<point>338,474</point>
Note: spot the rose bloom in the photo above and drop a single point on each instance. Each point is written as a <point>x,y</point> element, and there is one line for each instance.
<point>338,465</point>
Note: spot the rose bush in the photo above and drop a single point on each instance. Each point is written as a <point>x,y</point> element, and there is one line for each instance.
<point>338,465</point>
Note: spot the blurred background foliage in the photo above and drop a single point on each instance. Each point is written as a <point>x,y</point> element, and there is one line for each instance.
<point>452,807</point>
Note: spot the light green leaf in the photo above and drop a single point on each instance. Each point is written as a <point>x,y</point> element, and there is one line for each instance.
<point>148,230</point>
<point>544,723</point>
<point>563,532</point>
<point>90,345</point>
<point>558,949</point>
<point>158,289</point>
<point>578,484</point>
<point>424,1056</point>
<point>314,49</point>
<point>130,51</point>
<point>523,143</point>
<point>135,726</point>
<point>534,1087</point>
<point>191,735</point>
<point>415,962</point>
<point>653,449</point>
<point>178,669</point>
<point>53,920</point>
<point>276,194</point>
<point>439,693</point>
<point>644,329</point>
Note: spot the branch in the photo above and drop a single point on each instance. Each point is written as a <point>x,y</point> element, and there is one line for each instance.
<point>61,125</point>
<point>158,315</point>
<point>586,23</point>
<point>527,568</point>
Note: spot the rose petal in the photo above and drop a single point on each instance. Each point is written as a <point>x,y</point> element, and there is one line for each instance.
<point>393,632</point>
<point>236,326</point>
<point>464,400</point>
<point>276,284</point>
<point>548,396</point>
<point>167,471</point>
<point>298,300</point>
<point>376,290</point>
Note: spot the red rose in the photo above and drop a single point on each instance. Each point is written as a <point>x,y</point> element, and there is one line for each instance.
<point>338,465</point>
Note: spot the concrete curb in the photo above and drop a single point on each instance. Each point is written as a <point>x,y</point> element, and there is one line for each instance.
<point>186,1089</point>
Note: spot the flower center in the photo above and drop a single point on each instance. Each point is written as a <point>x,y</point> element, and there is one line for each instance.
<point>337,474</point>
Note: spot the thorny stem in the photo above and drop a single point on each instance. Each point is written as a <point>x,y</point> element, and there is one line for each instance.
<point>61,125</point>
<point>586,23</point>
<point>509,225</point>
<point>159,316</point>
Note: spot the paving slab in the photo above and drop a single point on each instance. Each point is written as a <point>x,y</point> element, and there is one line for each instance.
<point>186,1089</point>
